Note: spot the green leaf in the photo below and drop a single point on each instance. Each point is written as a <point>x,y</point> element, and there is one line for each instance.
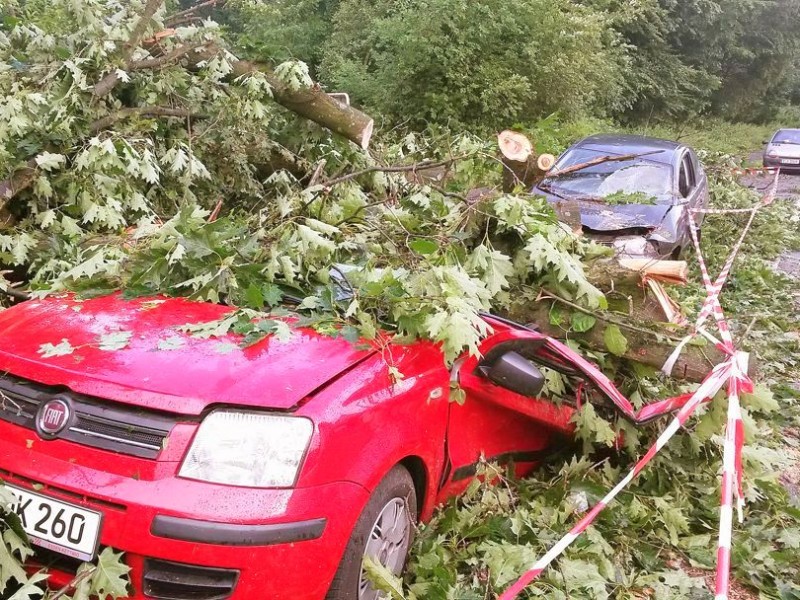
<point>761,400</point>
<point>63,348</point>
<point>616,343</point>
<point>383,579</point>
<point>421,246</point>
<point>591,428</point>
<point>111,576</point>
<point>116,340</point>
<point>254,296</point>
<point>273,295</point>
<point>581,322</point>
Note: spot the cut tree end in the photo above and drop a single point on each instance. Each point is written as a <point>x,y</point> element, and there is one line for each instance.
<point>514,146</point>
<point>366,134</point>
<point>545,162</point>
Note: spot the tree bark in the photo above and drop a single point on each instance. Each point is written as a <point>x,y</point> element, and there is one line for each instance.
<point>608,274</point>
<point>311,102</point>
<point>644,347</point>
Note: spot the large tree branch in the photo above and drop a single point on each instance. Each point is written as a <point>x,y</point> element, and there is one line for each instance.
<point>310,102</point>
<point>110,81</point>
<point>146,111</point>
<point>140,28</point>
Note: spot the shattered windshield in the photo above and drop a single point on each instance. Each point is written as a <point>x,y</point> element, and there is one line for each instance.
<point>637,176</point>
<point>787,136</point>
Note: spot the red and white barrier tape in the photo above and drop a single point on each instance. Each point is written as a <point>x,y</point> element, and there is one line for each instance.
<point>734,373</point>
<point>707,390</point>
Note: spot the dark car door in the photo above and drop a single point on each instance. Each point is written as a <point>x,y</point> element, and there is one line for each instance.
<point>692,193</point>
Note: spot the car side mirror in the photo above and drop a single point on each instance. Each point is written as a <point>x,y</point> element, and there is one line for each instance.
<point>514,372</point>
<point>765,142</point>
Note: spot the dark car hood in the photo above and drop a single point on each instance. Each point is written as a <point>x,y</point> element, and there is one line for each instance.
<point>603,217</point>
<point>598,216</point>
<point>160,367</point>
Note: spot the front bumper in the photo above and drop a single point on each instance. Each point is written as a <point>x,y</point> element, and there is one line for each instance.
<point>776,163</point>
<point>268,543</point>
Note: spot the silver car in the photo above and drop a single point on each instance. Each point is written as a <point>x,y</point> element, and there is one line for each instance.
<point>783,151</point>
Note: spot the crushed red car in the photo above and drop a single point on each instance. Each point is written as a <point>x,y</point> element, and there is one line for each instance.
<point>262,472</point>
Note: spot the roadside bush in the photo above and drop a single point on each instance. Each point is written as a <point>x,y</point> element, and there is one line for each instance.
<point>481,64</point>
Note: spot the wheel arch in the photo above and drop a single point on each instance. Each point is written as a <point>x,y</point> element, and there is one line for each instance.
<point>419,474</point>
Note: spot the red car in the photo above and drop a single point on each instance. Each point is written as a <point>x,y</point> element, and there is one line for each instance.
<point>262,472</point>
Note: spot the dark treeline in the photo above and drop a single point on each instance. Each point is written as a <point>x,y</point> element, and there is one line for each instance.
<point>488,63</point>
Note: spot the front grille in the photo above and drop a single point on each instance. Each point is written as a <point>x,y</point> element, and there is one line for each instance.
<point>176,581</point>
<point>97,423</point>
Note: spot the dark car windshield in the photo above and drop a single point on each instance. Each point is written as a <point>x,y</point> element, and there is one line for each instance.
<point>626,177</point>
<point>787,136</point>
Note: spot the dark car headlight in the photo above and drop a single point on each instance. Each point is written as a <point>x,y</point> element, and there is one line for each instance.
<point>248,449</point>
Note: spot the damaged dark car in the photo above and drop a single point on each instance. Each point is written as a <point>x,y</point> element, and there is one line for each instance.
<point>633,193</point>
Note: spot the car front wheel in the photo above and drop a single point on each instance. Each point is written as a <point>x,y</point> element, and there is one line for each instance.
<point>383,533</point>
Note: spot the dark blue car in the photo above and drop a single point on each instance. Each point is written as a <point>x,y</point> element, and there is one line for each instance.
<point>638,205</point>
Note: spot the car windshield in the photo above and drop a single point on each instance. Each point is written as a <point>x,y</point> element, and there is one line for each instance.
<point>787,136</point>
<point>637,176</point>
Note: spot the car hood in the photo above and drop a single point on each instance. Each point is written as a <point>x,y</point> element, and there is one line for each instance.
<point>161,367</point>
<point>785,150</point>
<point>598,216</point>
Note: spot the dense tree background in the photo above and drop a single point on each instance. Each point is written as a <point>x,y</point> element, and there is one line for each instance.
<point>489,62</point>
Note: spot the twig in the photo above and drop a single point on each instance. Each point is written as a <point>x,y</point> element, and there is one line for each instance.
<point>395,169</point>
<point>215,213</point>
<point>180,16</point>
<point>75,581</point>
<point>596,161</point>
<point>317,173</point>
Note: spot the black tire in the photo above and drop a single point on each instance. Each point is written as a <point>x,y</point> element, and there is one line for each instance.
<point>397,484</point>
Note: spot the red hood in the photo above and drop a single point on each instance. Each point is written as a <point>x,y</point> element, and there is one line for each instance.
<point>271,374</point>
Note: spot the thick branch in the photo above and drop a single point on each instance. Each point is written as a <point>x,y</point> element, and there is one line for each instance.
<point>149,111</point>
<point>20,179</point>
<point>311,102</point>
<point>644,346</point>
<point>597,161</point>
<point>110,81</point>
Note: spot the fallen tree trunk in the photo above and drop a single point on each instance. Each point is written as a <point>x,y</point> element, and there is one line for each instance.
<point>645,347</point>
<point>626,273</point>
<point>521,165</point>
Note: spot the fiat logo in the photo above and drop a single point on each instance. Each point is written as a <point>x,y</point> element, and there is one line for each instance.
<point>53,417</point>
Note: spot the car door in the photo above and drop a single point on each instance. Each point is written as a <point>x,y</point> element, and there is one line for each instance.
<point>691,194</point>
<point>500,424</point>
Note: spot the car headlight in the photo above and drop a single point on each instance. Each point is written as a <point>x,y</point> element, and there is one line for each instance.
<point>248,449</point>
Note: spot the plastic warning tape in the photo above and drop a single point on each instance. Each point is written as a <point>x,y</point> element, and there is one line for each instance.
<point>731,473</point>
<point>713,382</point>
<point>733,372</point>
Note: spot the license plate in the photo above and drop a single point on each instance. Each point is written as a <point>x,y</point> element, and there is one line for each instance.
<point>790,161</point>
<point>55,525</point>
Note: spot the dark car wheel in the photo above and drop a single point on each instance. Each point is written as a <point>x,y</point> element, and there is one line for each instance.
<point>383,532</point>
